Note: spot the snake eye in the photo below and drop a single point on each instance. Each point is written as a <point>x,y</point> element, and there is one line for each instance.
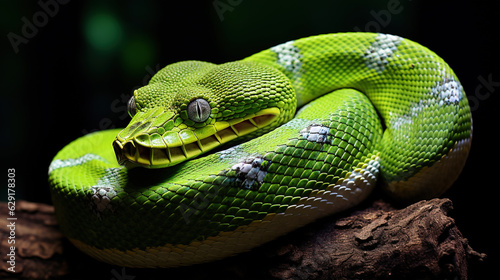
<point>198,110</point>
<point>131,107</point>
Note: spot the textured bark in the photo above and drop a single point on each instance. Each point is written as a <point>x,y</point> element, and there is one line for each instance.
<point>37,242</point>
<point>379,242</point>
<point>417,242</point>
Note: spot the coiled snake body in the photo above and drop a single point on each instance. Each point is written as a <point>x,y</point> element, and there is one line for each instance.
<point>371,106</point>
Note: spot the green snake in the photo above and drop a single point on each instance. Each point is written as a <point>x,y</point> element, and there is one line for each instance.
<point>311,126</point>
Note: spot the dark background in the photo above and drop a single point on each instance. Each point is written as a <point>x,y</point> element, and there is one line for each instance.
<point>69,68</point>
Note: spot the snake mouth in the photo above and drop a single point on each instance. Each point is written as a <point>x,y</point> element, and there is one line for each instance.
<point>158,154</point>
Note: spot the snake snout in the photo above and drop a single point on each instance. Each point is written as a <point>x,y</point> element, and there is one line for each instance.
<point>118,148</point>
<point>131,153</point>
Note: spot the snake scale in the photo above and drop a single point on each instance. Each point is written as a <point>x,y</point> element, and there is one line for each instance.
<point>312,125</point>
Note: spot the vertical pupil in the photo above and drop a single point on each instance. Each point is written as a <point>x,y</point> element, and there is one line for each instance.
<point>199,110</point>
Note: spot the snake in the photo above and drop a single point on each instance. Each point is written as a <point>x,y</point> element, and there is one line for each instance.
<point>219,159</point>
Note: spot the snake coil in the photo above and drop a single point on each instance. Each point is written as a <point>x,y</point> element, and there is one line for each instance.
<point>372,109</point>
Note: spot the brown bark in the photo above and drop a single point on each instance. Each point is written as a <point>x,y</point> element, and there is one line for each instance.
<point>378,242</point>
<point>36,241</point>
<point>418,242</point>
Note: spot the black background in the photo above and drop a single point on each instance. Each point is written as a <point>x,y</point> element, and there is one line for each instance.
<point>58,84</point>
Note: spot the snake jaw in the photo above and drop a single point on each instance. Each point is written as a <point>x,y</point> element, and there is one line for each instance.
<point>176,147</point>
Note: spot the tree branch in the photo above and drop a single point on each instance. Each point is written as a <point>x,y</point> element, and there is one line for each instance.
<point>420,241</point>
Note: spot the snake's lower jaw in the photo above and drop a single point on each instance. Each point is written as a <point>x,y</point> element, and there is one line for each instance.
<point>131,153</point>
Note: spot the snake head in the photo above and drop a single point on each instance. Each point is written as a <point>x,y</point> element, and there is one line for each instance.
<point>189,108</point>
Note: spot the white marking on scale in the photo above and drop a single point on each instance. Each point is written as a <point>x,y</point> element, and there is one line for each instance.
<point>377,55</point>
<point>105,189</point>
<point>60,163</point>
<point>288,56</point>
<point>446,92</point>
<point>315,133</point>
